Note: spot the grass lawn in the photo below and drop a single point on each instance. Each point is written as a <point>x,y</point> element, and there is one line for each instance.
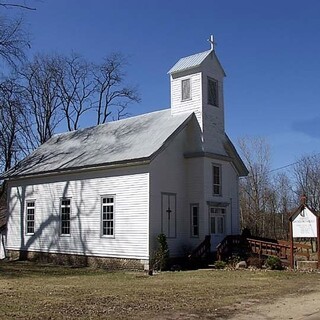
<point>31,291</point>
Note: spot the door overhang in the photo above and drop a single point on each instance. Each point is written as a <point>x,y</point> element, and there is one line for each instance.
<point>217,204</point>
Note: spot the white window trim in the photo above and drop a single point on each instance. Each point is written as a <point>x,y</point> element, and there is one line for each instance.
<point>220,180</point>
<point>111,236</point>
<point>60,216</point>
<point>26,216</point>
<point>190,91</point>
<point>192,235</point>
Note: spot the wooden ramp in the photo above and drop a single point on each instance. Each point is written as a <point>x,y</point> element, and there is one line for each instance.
<point>261,247</point>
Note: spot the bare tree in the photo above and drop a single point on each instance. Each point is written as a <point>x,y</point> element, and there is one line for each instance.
<point>11,123</point>
<point>307,179</point>
<point>112,94</point>
<point>13,41</point>
<point>255,188</point>
<point>8,5</point>
<point>74,79</point>
<point>286,202</point>
<point>42,96</point>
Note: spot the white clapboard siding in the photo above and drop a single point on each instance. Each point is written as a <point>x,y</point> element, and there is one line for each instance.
<point>210,118</point>
<point>229,182</point>
<point>171,172</point>
<point>168,175</point>
<point>195,185</point>
<point>194,104</point>
<point>131,190</point>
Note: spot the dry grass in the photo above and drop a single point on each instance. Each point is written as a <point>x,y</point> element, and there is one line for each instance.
<point>30,291</point>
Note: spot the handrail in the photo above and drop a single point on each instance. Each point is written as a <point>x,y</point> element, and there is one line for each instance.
<point>269,248</point>
<point>280,249</point>
<point>202,248</point>
<point>229,240</point>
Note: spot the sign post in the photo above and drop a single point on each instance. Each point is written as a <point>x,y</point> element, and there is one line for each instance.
<point>304,223</point>
<point>291,247</point>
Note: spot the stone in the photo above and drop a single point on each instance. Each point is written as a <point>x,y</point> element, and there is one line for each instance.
<point>241,265</point>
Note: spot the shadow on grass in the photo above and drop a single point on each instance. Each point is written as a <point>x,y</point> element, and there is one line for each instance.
<point>20,269</point>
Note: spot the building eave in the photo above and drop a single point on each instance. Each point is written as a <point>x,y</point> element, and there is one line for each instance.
<point>75,170</point>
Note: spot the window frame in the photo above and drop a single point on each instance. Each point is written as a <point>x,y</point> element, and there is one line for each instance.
<point>220,213</point>
<point>189,97</point>
<point>63,234</point>
<point>27,215</point>
<point>192,225</point>
<point>215,99</point>
<point>102,220</point>
<point>218,183</point>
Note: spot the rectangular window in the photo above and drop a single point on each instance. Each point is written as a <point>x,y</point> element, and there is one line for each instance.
<point>213,92</point>
<point>107,215</point>
<point>65,212</point>
<point>194,220</point>
<point>216,172</point>
<point>30,209</point>
<point>186,89</point>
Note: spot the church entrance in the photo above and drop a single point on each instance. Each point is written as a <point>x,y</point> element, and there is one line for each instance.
<point>217,225</point>
<point>168,214</point>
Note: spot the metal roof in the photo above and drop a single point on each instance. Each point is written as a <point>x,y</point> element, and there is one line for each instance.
<point>133,139</point>
<point>189,62</point>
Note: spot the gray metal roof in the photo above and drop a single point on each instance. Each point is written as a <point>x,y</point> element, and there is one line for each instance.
<point>136,138</point>
<point>189,62</point>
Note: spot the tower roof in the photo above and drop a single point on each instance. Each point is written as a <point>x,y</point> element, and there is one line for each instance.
<point>189,62</point>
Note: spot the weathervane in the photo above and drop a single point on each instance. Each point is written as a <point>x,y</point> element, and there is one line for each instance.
<point>212,43</point>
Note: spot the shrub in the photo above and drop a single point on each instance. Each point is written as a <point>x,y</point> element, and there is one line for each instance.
<point>161,256</point>
<point>274,263</point>
<point>255,262</point>
<point>220,264</point>
<point>233,260</point>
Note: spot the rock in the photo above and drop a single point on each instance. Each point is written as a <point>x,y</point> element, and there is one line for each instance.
<point>241,265</point>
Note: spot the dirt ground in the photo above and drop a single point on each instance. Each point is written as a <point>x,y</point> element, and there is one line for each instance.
<point>301,305</point>
<point>35,291</point>
<point>296,306</point>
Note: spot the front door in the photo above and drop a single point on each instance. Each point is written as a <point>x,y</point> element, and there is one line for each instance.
<point>168,214</point>
<point>217,225</point>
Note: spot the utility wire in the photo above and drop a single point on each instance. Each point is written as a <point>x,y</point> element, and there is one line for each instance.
<point>292,164</point>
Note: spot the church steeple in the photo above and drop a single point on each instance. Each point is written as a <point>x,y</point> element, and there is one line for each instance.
<point>197,86</point>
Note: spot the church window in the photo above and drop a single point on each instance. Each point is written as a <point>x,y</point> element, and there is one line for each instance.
<point>213,92</point>
<point>216,173</point>
<point>186,89</point>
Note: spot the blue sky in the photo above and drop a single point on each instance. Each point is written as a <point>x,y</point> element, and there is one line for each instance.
<point>270,51</point>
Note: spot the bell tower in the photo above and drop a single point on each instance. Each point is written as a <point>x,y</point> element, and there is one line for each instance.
<point>196,85</point>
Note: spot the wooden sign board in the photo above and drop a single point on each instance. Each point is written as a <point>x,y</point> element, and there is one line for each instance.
<point>304,224</point>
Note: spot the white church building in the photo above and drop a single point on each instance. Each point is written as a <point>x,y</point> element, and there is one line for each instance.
<point>108,191</point>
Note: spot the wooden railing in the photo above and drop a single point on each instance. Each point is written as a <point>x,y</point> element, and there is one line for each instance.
<point>227,243</point>
<point>202,249</point>
<point>258,246</point>
<point>269,248</point>
<point>300,249</point>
